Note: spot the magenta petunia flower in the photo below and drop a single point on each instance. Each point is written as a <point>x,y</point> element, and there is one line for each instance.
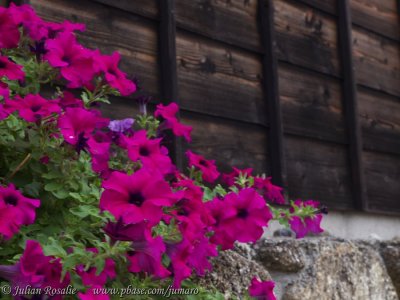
<point>230,178</point>
<point>272,193</point>
<point>179,254</point>
<point>262,290</point>
<point>98,146</point>
<point>207,167</point>
<point>147,252</point>
<point>10,69</point>
<point>302,226</point>
<point>247,209</point>
<point>119,231</point>
<point>76,63</point>
<point>149,151</point>
<point>36,270</point>
<point>38,29</point>
<point>15,210</point>
<point>220,211</point>
<point>55,29</point>
<point>21,13</point>
<point>202,251</point>
<point>137,197</point>
<point>251,213</point>
<point>313,223</point>
<point>4,91</point>
<point>298,226</point>
<point>189,255</point>
<point>78,124</point>
<point>33,108</point>
<point>3,112</point>
<point>168,113</point>
<point>68,100</point>
<point>190,211</point>
<point>33,25</point>
<point>10,34</point>
<point>108,64</point>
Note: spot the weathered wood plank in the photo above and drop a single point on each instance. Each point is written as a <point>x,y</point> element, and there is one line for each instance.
<point>380,16</point>
<point>229,143</point>
<point>110,30</point>
<point>329,6</point>
<point>306,37</point>
<point>318,171</point>
<point>230,21</point>
<point>382,174</point>
<point>121,108</point>
<point>377,61</point>
<point>146,8</point>
<point>219,80</point>
<point>311,104</point>
<point>380,121</point>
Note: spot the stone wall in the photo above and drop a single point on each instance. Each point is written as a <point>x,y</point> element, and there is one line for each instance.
<point>320,268</point>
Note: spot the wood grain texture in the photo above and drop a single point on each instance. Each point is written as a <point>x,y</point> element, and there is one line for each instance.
<point>377,61</point>
<point>306,37</point>
<point>121,108</point>
<point>219,80</point>
<point>146,8</point>
<point>229,143</point>
<point>329,6</point>
<point>380,121</point>
<point>230,21</point>
<point>382,174</point>
<point>112,30</point>
<point>380,16</point>
<point>318,171</point>
<point>311,104</point>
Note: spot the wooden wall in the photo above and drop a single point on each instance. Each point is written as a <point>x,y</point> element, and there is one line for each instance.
<point>222,61</point>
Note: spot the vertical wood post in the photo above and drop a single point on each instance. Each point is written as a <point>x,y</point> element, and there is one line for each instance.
<point>350,105</point>
<point>169,77</point>
<point>271,92</point>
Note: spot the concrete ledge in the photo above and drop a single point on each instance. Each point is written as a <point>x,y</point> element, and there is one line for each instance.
<point>354,225</point>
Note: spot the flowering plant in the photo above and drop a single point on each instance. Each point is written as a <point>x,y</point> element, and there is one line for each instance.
<point>92,203</point>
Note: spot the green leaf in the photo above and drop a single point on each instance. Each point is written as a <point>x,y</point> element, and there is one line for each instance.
<point>82,211</point>
<point>99,263</point>
<point>53,248</point>
<point>53,186</point>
